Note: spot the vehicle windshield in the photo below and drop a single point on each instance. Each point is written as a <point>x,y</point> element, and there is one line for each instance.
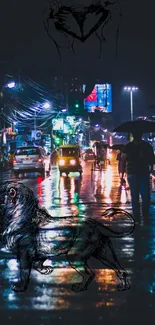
<point>68,152</point>
<point>27,151</point>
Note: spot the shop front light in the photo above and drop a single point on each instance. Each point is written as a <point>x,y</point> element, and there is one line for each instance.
<point>61,162</point>
<point>73,162</point>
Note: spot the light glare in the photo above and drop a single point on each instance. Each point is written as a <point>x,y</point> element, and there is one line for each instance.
<point>72,162</point>
<point>61,162</point>
<point>11,84</point>
<point>131,88</point>
<point>46,105</point>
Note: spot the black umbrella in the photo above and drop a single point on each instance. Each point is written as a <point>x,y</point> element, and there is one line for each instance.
<point>137,125</point>
<point>118,146</point>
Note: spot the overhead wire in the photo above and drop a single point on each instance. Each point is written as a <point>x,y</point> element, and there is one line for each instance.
<point>24,110</point>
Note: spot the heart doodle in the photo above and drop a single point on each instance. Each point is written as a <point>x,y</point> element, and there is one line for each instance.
<point>78,22</point>
<point>81,18</point>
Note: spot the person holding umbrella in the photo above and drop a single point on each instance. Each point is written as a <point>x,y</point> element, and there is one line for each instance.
<point>137,159</point>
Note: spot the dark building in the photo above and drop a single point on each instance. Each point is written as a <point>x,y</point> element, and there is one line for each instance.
<point>76,97</point>
<point>60,91</point>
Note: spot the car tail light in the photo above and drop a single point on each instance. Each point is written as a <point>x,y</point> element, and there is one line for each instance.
<point>14,161</point>
<point>73,162</point>
<point>39,160</point>
<point>61,162</point>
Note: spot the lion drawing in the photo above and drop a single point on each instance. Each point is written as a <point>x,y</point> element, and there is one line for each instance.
<point>34,236</point>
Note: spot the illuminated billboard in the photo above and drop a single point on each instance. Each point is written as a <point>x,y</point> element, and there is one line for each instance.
<point>100,99</point>
<point>60,125</point>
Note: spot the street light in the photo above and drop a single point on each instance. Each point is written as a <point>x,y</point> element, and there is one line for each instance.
<point>131,90</point>
<point>46,105</point>
<point>11,85</point>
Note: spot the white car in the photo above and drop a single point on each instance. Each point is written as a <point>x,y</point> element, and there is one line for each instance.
<point>29,159</point>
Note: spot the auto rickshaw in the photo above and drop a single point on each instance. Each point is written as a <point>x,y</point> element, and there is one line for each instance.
<point>69,159</point>
<point>101,150</point>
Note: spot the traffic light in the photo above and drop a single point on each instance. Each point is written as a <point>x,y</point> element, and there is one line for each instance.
<point>57,140</point>
<point>76,106</point>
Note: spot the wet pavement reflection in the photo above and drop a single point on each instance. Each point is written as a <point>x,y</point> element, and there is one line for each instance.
<point>49,299</point>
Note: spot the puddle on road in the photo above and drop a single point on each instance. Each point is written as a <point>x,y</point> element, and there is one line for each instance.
<point>54,292</point>
<point>71,196</point>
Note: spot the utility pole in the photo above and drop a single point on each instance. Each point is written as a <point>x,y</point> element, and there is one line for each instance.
<point>131,90</point>
<point>131,104</point>
<point>35,122</point>
<point>66,95</point>
<point>89,130</point>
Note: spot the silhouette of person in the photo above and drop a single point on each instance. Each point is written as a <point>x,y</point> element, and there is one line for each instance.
<point>118,158</point>
<point>137,159</point>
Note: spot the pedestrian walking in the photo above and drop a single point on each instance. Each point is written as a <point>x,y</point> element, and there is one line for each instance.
<point>54,157</point>
<point>137,159</point>
<point>118,158</point>
<point>48,164</point>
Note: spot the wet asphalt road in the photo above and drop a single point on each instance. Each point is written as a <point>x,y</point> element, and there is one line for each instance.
<point>49,299</point>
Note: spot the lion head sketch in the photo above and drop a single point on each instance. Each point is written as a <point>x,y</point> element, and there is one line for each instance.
<point>31,233</point>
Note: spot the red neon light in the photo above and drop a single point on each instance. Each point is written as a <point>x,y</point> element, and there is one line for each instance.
<point>92,97</point>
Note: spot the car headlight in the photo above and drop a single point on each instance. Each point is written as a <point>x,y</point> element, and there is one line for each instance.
<point>61,162</point>
<point>73,162</point>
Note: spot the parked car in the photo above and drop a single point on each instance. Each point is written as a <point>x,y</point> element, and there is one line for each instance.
<point>29,159</point>
<point>88,155</point>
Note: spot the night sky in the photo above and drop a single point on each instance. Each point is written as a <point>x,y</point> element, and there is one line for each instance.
<point>25,45</point>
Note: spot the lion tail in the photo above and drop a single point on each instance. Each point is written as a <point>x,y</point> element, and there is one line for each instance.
<point>107,231</point>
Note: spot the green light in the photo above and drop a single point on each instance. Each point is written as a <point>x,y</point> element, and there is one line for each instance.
<point>76,105</point>
<point>57,140</point>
